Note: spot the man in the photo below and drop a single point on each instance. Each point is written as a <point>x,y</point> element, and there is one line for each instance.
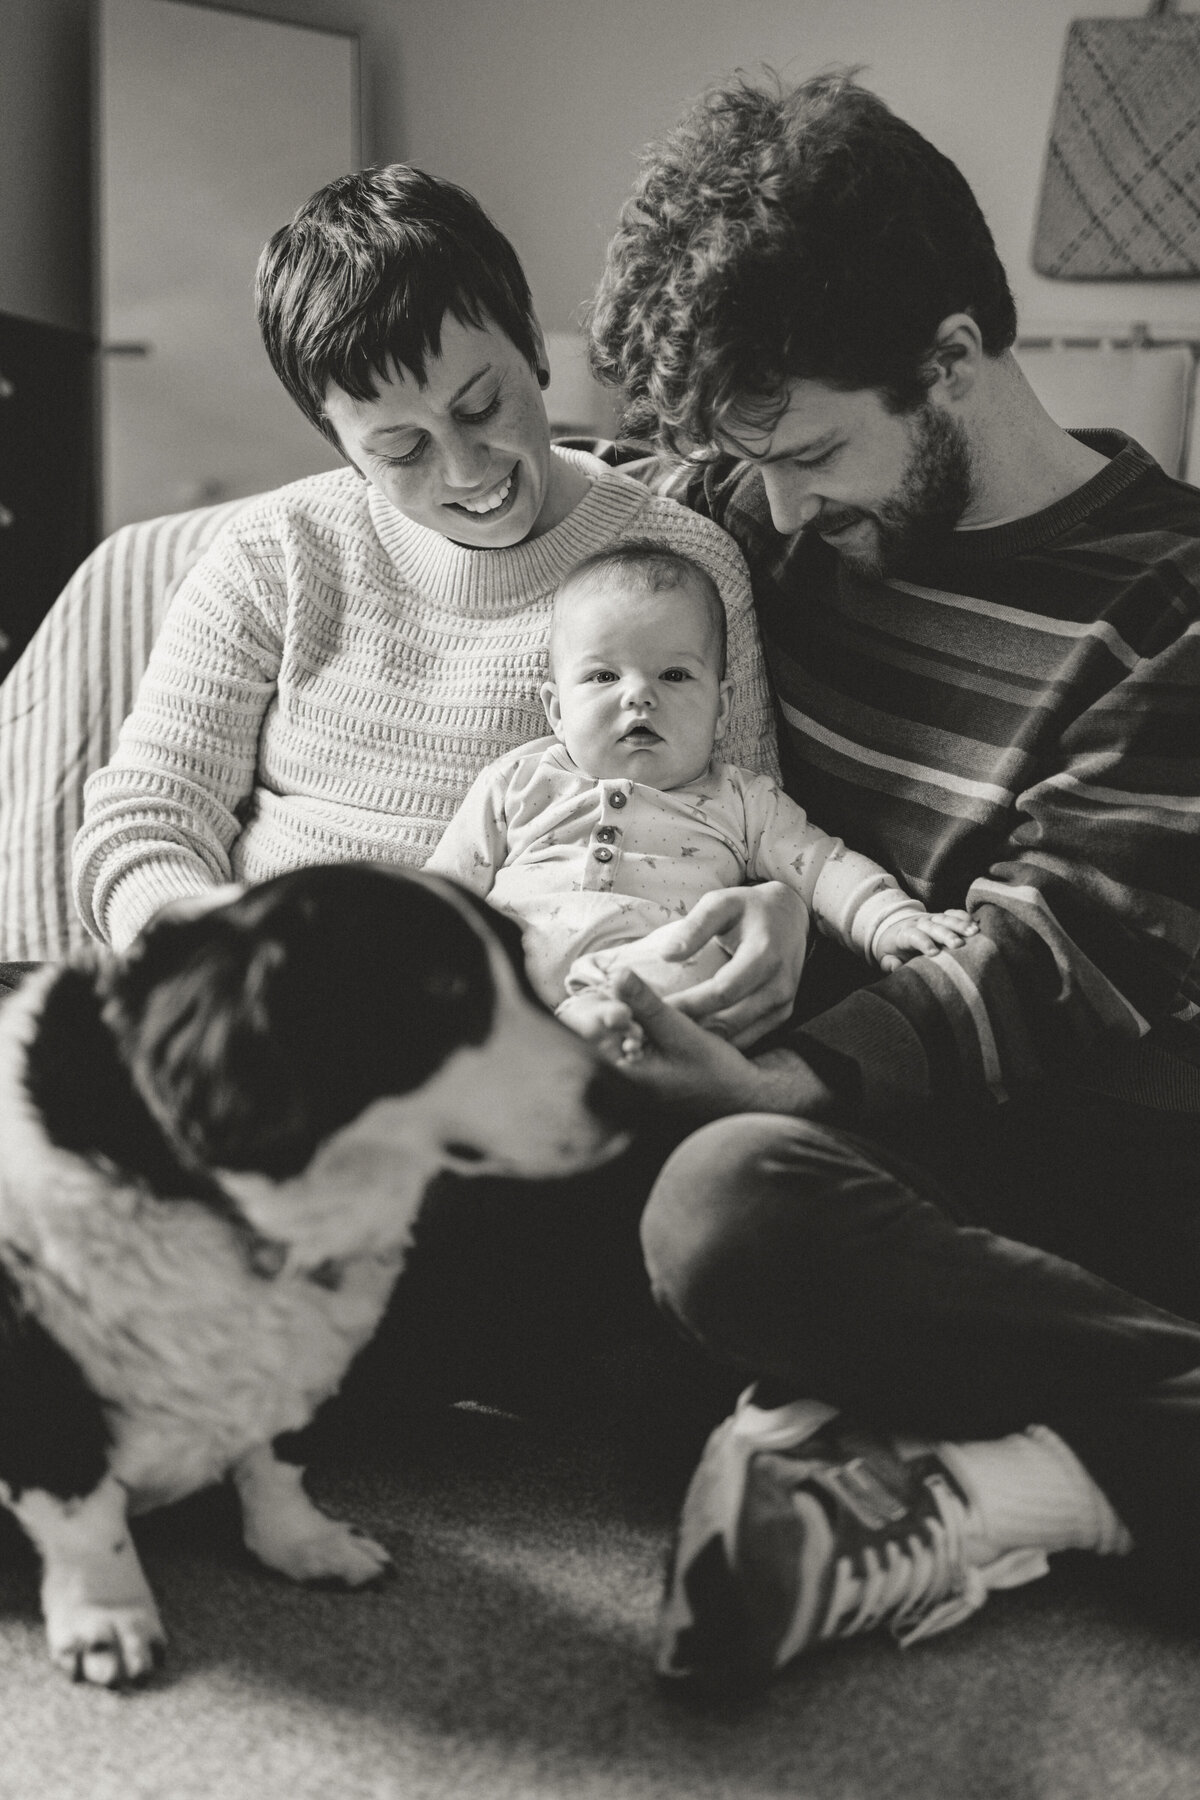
<point>955,1233</point>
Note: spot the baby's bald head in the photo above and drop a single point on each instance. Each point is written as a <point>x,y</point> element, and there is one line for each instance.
<point>645,566</point>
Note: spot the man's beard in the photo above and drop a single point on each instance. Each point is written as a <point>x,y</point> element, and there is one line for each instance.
<point>932,497</point>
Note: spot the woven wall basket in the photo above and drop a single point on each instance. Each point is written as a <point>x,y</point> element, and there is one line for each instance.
<point>1121,191</point>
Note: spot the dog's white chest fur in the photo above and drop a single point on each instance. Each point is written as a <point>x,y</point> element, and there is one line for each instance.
<point>196,1356</point>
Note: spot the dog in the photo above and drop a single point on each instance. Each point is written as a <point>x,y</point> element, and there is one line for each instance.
<point>212,1154</point>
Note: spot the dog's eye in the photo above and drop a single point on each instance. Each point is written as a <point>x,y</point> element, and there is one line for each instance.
<point>446,984</point>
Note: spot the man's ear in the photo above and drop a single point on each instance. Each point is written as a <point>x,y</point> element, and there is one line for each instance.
<point>956,357</point>
<point>722,724</point>
<point>549,694</point>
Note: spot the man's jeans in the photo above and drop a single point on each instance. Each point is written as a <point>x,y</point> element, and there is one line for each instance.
<point>984,1273</point>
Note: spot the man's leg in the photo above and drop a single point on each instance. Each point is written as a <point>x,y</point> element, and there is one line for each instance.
<point>813,1259</point>
<point>533,1297</point>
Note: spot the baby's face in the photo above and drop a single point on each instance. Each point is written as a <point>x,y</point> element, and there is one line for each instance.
<point>636,690</point>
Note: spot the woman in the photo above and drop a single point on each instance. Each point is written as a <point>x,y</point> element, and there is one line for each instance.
<point>341,664</point>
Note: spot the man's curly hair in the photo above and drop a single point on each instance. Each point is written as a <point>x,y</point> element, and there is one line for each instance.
<point>783,233</point>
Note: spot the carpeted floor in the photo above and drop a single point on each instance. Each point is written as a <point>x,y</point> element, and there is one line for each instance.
<point>509,1657</point>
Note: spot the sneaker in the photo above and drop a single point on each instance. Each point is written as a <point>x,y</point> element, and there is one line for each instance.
<point>798,1527</point>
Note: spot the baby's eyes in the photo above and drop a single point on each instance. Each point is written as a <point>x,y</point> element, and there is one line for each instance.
<point>604,676</point>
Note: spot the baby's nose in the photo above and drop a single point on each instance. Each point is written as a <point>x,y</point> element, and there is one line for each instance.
<point>639,691</point>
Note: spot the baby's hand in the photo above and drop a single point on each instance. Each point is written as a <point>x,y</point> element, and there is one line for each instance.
<point>606,1023</point>
<point>922,934</point>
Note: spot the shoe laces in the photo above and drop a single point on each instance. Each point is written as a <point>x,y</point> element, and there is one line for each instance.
<point>921,1581</point>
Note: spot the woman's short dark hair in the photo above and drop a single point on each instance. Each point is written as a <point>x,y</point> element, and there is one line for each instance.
<point>779,234</point>
<point>358,284</point>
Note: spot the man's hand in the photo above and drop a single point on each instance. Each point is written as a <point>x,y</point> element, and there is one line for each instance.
<point>693,1070</point>
<point>765,930</point>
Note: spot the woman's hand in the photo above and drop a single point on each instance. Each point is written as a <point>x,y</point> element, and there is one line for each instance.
<point>765,930</point>
<point>696,1071</point>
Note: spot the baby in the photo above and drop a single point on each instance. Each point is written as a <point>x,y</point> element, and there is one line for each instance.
<point>600,839</point>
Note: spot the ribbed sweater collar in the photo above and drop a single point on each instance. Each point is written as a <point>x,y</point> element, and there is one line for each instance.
<point>1128,463</point>
<point>485,582</point>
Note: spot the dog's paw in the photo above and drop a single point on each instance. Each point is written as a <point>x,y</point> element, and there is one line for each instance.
<point>107,1646</point>
<point>329,1550</point>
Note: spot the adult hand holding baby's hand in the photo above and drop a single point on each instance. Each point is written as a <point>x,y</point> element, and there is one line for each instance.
<point>606,1023</point>
<point>696,1071</point>
<point>765,930</point>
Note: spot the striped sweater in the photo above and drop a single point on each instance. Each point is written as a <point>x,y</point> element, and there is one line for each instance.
<point>1013,722</point>
<point>331,677</point>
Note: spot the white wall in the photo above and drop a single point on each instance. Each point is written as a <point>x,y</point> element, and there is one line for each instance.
<point>540,107</point>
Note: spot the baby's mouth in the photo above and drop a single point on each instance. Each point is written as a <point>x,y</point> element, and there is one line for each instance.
<point>643,734</point>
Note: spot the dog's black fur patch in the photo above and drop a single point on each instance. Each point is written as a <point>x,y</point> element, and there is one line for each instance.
<point>85,1099</point>
<point>53,1434</point>
<point>260,1030</point>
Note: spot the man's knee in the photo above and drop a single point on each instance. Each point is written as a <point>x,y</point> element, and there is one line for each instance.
<point>743,1218</point>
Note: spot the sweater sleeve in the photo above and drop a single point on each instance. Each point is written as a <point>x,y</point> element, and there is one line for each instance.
<point>161,817</point>
<point>474,845</point>
<point>1089,919</point>
<point>849,896</point>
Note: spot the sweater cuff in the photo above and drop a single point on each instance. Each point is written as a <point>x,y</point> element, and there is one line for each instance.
<point>866,1034</point>
<point>136,897</point>
<point>839,1073</point>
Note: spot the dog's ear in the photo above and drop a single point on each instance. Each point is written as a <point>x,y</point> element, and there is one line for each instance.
<point>257,1029</point>
<point>81,1087</point>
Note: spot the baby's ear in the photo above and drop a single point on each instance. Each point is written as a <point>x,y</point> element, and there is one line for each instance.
<point>722,724</point>
<point>549,694</point>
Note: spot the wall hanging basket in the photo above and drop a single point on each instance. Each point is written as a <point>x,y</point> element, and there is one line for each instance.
<point>1121,192</point>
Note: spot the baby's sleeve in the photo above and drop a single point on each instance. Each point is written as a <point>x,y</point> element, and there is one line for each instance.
<point>849,896</point>
<point>475,842</point>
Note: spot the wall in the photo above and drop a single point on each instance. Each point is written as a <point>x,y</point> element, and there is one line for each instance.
<point>541,106</point>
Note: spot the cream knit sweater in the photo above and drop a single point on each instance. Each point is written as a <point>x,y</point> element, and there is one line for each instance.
<point>331,678</point>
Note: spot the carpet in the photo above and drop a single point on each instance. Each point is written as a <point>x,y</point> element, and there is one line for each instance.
<point>508,1658</point>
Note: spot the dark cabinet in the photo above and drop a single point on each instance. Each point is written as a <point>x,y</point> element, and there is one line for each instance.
<point>48,512</point>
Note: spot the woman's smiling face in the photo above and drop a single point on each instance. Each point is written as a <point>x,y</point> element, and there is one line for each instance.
<point>466,453</point>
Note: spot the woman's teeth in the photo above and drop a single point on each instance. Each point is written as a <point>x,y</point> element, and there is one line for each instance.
<point>489,502</point>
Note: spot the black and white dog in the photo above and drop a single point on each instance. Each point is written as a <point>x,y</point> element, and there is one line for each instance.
<point>212,1152</point>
